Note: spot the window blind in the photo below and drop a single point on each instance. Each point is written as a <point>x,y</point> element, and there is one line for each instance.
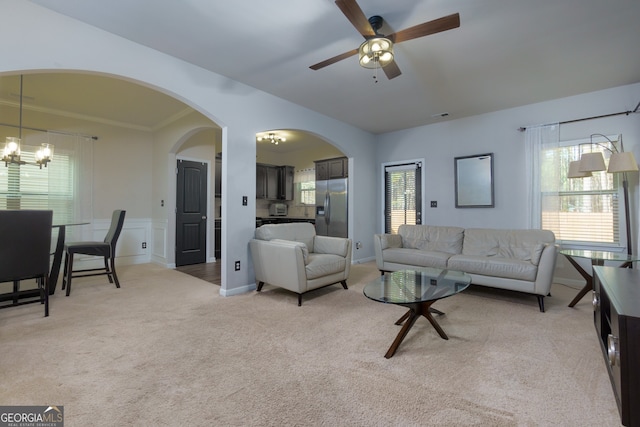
<point>402,195</point>
<point>583,211</point>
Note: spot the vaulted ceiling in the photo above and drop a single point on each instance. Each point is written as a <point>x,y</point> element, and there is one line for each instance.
<point>505,53</point>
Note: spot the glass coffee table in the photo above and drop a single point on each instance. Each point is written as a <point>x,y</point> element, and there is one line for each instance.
<point>417,290</point>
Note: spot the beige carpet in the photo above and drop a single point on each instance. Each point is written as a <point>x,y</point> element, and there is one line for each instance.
<point>167,350</point>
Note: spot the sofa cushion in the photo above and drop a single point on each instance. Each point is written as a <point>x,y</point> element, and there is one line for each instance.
<point>525,245</point>
<point>300,232</point>
<point>418,258</point>
<point>432,238</point>
<point>321,265</point>
<point>510,268</point>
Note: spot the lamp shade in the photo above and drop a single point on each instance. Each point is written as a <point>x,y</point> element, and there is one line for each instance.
<point>622,162</point>
<point>575,172</point>
<point>592,162</point>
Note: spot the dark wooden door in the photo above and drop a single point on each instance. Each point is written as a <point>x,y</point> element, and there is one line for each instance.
<point>191,213</point>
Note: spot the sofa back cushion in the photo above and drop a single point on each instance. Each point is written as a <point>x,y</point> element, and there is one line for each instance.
<point>525,245</point>
<point>303,232</point>
<point>432,238</point>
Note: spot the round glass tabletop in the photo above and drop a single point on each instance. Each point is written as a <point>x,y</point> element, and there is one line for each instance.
<point>415,286</point>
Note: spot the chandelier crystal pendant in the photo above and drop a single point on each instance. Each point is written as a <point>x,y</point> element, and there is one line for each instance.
<point>271,137</point>
<point>11,154</point>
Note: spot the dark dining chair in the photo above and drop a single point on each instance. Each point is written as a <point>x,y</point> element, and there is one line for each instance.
<point>105,249</point>
<point>24,255</point>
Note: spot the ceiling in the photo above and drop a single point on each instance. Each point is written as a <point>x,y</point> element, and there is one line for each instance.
<point>505,53</point>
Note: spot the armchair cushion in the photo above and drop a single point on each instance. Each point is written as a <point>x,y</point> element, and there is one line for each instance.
<point>303,247</point>
<point>331,245</point>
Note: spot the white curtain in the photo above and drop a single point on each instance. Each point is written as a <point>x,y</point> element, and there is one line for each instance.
<point>304,184</point>
<point>537,139</point>
<point>71,176</point>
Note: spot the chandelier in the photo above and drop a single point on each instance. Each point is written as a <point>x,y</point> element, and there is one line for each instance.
<point>11,154</point>
<point>271,137</point>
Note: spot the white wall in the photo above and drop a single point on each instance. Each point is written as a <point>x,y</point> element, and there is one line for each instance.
<point>498,133</point>
<point>57,43</point>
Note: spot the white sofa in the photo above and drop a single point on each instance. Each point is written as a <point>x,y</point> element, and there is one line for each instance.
<point>293,257</point>
<point>518,260</point>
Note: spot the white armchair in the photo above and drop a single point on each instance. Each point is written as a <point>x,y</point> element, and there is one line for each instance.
<point>293,257</point>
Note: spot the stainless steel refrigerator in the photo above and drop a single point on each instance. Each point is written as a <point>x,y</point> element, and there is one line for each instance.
<point>331,207</point>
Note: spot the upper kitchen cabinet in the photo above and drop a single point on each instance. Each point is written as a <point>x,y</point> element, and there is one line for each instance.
<point>274,182</point>
<point>332,168</point>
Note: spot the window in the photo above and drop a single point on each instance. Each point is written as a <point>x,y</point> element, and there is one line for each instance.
<point>305,186</point>
<point>403,201</point>
<point>53,187</point>
<point>580,211</point>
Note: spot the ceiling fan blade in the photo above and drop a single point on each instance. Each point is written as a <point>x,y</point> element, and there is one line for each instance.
<point>391,70</point>
<point>436,26</point>
<point>356,16</point>
<point>334,59</point>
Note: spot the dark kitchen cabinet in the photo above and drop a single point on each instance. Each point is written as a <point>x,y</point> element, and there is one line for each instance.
<point>285,187</point>
<point>266,182</point>
<point>274,182</point>
<point>332,168</point>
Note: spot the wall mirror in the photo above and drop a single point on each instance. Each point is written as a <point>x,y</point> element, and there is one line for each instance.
<point>474,181</point>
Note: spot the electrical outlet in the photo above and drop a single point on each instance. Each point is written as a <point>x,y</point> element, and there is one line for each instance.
<point>144,245</point>
<point>245,201</point>
<point>237,265</point>
<point>358,245</point>
<point>434,204</point>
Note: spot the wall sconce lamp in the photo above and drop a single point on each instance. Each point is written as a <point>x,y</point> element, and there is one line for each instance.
<point>619,162</point>
<point>271,137</point>
<point>12,151</point>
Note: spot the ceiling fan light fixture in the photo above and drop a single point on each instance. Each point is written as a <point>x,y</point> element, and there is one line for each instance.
<point>375,52</point>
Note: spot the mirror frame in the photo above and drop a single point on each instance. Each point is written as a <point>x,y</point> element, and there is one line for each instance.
<point>474,181</point>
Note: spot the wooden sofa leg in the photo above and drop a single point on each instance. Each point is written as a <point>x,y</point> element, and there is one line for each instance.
<point>344,284</point>
<point>541,302</point>
<point>259,288</point>
<point>299,300</point>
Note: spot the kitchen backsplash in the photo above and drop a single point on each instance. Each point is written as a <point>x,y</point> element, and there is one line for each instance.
<point>293,211</point>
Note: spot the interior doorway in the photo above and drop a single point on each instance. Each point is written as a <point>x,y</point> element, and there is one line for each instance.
<point>191,212</point>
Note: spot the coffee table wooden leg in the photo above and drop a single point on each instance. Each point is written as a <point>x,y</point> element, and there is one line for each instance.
<point>435,325</point>
<point>417,310</point>
<point>403,318</point>
<point>412,316</point>
<point>408,313</point>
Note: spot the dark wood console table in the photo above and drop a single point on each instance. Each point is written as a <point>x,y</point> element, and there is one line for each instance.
<point>616,303</point>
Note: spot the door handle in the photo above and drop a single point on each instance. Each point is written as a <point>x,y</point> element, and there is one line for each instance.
<point>204,217</point>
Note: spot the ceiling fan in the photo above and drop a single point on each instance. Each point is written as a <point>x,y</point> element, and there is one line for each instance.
<point>377,50</point>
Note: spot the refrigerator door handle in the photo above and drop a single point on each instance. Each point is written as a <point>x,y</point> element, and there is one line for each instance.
<point>327,208</point>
